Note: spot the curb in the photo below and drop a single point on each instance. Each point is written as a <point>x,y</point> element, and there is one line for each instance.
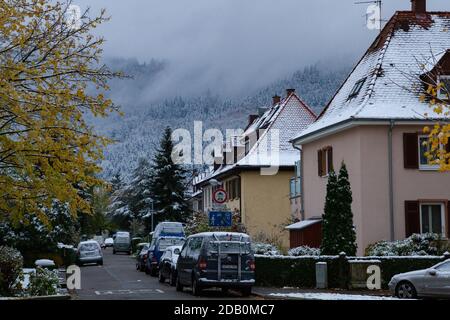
<point>54,297</point>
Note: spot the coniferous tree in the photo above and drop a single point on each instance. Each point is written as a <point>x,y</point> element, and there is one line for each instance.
<point>338,232</point>
<point>347,232</point>
<point>168,183</point>
<point>330,217</point>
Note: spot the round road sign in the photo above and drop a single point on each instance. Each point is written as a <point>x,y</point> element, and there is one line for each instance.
<point>220,196</point>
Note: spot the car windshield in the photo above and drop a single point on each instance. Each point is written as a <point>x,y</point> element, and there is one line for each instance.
<point>172,229</point>
<point>88,246</point>
<point>164,243</point>
<point>122,239</point>
<point>230,244</point>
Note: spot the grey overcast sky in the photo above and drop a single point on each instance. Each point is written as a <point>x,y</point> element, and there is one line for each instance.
<point>235,42</point>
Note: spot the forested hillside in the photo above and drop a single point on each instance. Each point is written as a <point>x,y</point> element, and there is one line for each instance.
<point>148,109</point>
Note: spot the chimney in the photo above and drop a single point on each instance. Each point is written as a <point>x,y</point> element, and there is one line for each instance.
<point>419,6</point>
<point>276,100</point>
<point>289,92</point>
<point>252,118</point>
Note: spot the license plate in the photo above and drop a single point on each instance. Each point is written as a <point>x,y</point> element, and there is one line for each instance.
<point>229,267</point>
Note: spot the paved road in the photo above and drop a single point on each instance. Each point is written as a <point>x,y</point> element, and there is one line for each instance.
<point>118,279</point>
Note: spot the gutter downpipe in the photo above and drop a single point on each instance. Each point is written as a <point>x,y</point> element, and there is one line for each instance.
<point>391,181</point>
<point>302,195</point>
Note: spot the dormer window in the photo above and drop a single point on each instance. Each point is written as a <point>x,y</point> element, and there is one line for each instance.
<point>444,90</point>
<point>356,88</point>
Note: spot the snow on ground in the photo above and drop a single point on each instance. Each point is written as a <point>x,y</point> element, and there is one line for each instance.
<point>329,296</point>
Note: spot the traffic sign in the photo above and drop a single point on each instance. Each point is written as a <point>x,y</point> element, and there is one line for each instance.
<point>220,219</point>
<point>220,196</point>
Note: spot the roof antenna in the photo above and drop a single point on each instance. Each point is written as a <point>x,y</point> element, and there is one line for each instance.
<point>373,14</point>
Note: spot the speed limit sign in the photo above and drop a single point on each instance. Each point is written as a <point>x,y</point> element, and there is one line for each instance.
<point>220,196</point>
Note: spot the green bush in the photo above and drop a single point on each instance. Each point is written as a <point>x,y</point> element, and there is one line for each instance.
<point>415,245</point>
<point>11,263</point>
<point>43,282</point>
<point>281,271</point>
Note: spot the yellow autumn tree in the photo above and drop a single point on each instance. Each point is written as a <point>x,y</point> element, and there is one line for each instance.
<point>48,59</point>
<point>437,94</point>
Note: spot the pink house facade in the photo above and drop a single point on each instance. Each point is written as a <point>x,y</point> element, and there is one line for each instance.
<point>374,124</point>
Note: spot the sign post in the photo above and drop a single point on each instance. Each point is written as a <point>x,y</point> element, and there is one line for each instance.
<point>219,216</point>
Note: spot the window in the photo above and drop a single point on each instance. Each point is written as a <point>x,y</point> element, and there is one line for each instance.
<point>295,187</point>
<point>325,161</point>
<point>445,267</point>
<point>424,162</point>
<point>233,188</point>
<point>356,89</point>
<point>445,89</point>
<point>432,218</point>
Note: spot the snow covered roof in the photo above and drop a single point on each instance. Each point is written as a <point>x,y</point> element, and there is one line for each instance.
<point>303,224</point>
<point>273,147</point>
<point>385,83</point>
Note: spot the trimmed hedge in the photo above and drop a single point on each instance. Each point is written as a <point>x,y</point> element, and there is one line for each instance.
<point>281,271</point>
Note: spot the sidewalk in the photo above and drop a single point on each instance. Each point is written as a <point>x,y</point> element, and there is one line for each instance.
<point>319,294</point>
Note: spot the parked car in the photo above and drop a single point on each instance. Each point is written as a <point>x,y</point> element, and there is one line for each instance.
<point>168,265</point>
<point>216,259</point>
<point>122,243</point>
<point>100,240</point>
<point>109,242</point>
<point>169,229</point>
<point>141,256</point>
<point>432,282</point>
<point>89,252</point>
<point>157,249</point>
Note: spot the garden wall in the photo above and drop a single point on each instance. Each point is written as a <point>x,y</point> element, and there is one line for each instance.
<point>281,271</point>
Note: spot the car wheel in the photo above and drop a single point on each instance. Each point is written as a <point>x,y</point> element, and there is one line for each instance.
<point>138,267</point>
<point>406,290</point>
<point>114,251</point>
<point>161,277</point>
<point>100,263</point>
<point>196,290</point>
<point>153,272</point>
<point>141,268</point>
<point>172,278</point>
<point>179,286</point>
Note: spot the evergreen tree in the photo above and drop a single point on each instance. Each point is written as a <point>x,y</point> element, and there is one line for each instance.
<point>338,232</point>
<point>330,217</point>
<point>116,182</point>
<point>168,185</point>
<point>346,228</point>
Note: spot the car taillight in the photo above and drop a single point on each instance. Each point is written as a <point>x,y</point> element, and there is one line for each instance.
<point>251,265</point>
<point>202,264</point>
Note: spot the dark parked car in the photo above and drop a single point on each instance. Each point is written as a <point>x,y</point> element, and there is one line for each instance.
<point>156,250</point>
<point>216,259</point>
<point>168,265</point>
<point>141,256</point>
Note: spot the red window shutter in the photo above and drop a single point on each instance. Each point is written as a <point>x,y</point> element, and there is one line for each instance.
<point>330,159</point>
<point>412,217</point>
<point>319,163</point>
<point>410,150</point>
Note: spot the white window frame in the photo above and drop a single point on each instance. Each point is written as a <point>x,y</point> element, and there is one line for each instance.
<point>425,167</point>
<point>443,221</point>
<point>439,95</point>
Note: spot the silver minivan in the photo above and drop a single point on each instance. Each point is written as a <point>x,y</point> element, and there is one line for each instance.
<point>122,242</point>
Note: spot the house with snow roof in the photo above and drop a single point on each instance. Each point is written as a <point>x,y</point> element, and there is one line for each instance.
<point>257,169</point>
<point>374,123</point>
